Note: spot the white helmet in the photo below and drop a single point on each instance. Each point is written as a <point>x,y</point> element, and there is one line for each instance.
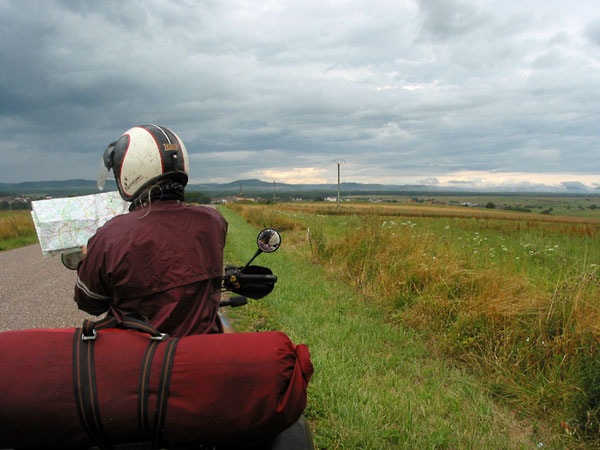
<point>145,155</point>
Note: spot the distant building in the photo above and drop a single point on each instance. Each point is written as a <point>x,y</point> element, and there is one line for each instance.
<point>231,199</point>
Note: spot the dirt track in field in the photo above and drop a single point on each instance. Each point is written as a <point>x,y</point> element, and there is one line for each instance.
<point>36,292</point>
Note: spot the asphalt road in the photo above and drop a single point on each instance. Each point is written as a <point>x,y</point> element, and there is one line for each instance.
<point>36,292</point>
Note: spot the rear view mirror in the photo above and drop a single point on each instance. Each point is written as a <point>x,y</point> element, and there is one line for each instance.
<point>268,240</point>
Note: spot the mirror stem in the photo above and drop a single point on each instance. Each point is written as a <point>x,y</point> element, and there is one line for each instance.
<point>258,252</point>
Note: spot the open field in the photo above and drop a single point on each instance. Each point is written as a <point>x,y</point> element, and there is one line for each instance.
<point>513,298</point>
<point>436,211</point>
<point>557,205</point>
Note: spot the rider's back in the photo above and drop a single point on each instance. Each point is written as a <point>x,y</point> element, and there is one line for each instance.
<point>163,261</point>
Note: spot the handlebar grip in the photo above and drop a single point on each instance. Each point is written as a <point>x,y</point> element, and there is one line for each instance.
<point>257,278</point>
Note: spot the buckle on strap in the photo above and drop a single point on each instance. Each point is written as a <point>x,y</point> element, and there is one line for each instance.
<point>160,337</point>
<point>93,336</point>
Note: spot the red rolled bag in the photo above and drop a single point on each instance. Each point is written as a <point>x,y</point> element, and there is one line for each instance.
<point>98,385</point>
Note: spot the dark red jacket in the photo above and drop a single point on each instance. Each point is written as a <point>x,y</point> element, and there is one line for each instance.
<point>164,261</point>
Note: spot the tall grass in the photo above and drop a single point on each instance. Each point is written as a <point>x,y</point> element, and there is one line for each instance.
<point>517,304</point>
<point>537,347</point>
<point>376,384</point>
<point>16,229</point>
<point>265,216</point>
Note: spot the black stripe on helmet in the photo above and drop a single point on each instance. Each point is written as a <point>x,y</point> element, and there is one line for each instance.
<point>167,143</point>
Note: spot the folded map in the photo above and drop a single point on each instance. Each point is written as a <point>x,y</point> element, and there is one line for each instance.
<point>64,224</point>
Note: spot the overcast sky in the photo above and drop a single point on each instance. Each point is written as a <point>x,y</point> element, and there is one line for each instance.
<point>446,92</point>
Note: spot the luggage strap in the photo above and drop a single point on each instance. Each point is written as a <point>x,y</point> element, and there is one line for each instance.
<point>128,323</point>
<point>84,378</point>
<point>163,391</point>
<point>86,396</point>
<point>160,413</point>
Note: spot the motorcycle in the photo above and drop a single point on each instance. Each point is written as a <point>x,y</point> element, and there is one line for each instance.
<point>247,281</point>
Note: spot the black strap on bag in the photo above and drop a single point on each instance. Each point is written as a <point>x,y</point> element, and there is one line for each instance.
<point>144,391</point>
<point>163,391</point>
<point>84,377</point>
<point>86,396</point>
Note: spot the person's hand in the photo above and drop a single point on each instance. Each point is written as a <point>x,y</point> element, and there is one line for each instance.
<point>84,249</point>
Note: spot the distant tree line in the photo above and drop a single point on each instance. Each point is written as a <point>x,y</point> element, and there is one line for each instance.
<point>197,197</point>
<point>5,205</point>
<point>519,209</point>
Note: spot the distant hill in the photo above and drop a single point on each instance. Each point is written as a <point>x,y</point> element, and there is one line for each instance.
<point>255,187</point>
<point>62,187</point>
<point>251,186</point>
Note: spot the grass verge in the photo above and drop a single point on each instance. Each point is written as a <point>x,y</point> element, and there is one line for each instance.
<point>376,384</point>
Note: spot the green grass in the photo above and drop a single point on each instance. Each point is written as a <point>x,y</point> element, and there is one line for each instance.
<point>9,244</point>
<point>16,229</point>
<point>376,384</point>
<point>516,302</point>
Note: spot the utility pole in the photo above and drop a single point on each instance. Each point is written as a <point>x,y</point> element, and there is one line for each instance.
<point>338,162</point>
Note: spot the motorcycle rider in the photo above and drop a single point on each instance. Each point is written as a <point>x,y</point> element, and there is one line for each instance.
<point>164,259</point>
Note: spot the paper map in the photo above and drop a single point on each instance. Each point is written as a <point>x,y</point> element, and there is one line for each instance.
<point>64,224</point>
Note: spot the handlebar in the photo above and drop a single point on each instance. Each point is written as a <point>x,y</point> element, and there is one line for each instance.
<point>250,281</point>
<point>257,278</point>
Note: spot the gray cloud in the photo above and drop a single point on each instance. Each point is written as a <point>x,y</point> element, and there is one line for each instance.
<point>444,19</point>
<point>573,185</point>
<point>402,91</point>
<point>592,31</point>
